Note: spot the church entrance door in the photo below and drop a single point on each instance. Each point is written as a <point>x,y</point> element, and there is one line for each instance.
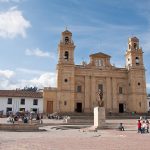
<point>50,107</point>
<point>121,108</point>
<point>79,107</point>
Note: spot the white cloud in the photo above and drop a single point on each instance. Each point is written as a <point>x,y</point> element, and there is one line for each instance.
<point>39,53</point>
<point>13,23</point>
<point>44,80</point>
<point>6,74</point>
<point>38,78</point>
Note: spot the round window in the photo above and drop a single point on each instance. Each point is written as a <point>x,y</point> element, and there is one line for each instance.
<point>66,80</point>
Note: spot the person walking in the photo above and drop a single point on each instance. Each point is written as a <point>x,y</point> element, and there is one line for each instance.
<point>139,126</point>
<point>143,127</point>
<point>147,125</point>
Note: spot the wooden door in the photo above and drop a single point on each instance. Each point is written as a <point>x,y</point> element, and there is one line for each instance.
<point>50,107</point>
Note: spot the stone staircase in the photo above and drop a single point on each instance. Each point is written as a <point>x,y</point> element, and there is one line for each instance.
<point>79,118</point>
<point>127,116</point>
<point>88,118</point>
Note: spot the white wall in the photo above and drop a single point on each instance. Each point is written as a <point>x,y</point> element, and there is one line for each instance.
<point>148,101</point>
<point>16,104</point>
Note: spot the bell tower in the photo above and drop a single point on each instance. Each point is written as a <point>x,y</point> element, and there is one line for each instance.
<point>66,48</point>
<point>134,54</point>
<point>65,73</point>
<point>136,77</point>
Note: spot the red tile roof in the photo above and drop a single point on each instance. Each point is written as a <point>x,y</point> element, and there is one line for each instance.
<point>20,93</point>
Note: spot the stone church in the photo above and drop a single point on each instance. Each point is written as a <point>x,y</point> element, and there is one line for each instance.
<point>123,89</point>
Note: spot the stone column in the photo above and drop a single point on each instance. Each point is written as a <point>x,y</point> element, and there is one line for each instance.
<point>58,101</point>
<point>108,100</point>
<point>87,94</point>
<point>72,102</point>
<point>114,95</point>
<point>93,92</point>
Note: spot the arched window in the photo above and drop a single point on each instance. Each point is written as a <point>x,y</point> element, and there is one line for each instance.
<point>120,90</point>
<point>66,40</point>
<point>79,88</point>
<point>98,62</point>
<point>140,104</point>
<point>135,45</point>
<point>65,103</point>
<point>137,60</point>
<point>66,56</point>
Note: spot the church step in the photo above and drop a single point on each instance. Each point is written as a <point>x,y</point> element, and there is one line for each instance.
<point>75,114</point>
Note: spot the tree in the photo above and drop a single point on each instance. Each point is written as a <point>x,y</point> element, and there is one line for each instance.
<point>33,89</point>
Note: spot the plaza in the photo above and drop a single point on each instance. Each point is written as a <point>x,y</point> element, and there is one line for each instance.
<point>74,75</point>
<point>65,137</point>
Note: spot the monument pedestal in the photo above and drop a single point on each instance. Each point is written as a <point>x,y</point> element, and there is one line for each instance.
<point>99,117</point>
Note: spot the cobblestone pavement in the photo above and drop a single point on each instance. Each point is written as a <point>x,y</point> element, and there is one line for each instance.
<point>73,139</point>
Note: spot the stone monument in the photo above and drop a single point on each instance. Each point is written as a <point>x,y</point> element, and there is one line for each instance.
<point>99,112</point>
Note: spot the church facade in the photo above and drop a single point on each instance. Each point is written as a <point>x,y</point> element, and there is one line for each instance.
<point>123,89</point>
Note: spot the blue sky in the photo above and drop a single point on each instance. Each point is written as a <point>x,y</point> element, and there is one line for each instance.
<point>30,31</point>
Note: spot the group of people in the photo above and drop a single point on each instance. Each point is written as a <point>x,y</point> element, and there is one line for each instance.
<point>10,119</point>
<point>143,126</point>
<point>24,118</point>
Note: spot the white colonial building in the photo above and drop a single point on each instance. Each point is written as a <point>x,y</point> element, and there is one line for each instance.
<point>21,100</point>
